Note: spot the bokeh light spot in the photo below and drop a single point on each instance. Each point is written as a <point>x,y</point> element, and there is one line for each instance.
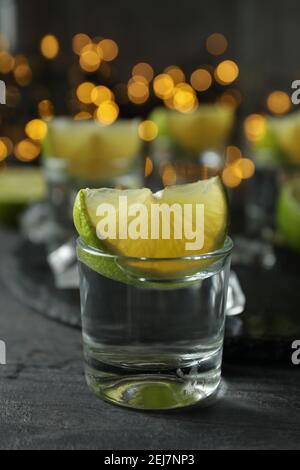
<point>7,62</point>
<point>145,70</point>
<point>148,130</point>
<point>232,154</point>
<point>216,44</point>
<point>279,102</point>
<point>201,80</point>
<point>107,112</point>
<point>169,176</point>
<point>36,129</point>
<point>46,110</point>
<point>109,49</point>
<point>230,178</point>
<point>50,47</point>
<point>176,73</point>
<point>163,86</point>
<point>100,94</point>
<point>226,72</point>
<point>26,150</point>
<point>82,116</point>
<point>255,127</point>
<point>3,151</point>
<point>138,91</point>
<point>80,40</point>
<point>84,92</point>
<point>148,167</point>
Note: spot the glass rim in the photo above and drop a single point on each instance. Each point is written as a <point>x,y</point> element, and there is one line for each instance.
<point>221,252</point>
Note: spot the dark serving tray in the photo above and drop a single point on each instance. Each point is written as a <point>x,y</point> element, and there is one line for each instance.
<point>265,331</point>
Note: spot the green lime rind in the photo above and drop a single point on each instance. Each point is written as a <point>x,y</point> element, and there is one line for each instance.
<point>47,147</point>
<point>106,267</point>
<point>83,225</point>
<point>288,213</point>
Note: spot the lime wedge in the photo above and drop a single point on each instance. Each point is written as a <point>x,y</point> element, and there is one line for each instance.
<point>210,193</point>
<point>18,188</point>
<point>288,213</point>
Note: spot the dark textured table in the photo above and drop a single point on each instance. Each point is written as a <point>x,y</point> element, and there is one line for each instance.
<point>45,403</point>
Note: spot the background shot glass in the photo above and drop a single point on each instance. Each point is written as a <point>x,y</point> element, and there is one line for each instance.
<point>190,146</point>
<point>153,342</point>
<point>81,154</point>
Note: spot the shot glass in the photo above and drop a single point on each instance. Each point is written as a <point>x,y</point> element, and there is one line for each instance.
<point>153,342</point>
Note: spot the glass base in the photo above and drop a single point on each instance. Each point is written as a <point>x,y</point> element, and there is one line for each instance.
<point>159,390</point>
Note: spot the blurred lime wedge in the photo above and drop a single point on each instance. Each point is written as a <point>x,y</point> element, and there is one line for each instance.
<point>18,188</point>
<point>207,128</point>
<point>93,152</point>
<point>286,131</point>
<point>210,193</point>
<point>288,213</point>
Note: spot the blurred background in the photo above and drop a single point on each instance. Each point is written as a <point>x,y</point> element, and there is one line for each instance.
<point>178,91</point>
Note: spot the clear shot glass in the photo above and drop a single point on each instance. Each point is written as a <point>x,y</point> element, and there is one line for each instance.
<point>153,329</point>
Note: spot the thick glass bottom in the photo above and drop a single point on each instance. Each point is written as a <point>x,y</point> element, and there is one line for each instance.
<point>154,390</point>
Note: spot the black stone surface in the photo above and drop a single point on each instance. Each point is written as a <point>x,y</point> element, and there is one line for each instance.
<point>45,403</point>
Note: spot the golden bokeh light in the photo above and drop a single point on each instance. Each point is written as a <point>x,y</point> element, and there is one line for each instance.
<point>84,92</point>
<point>138,91</point>
<point>230,178</point>
<point>80,40</point>
<point>8,143</point>
<point>82,116</point>
<point>90,58</point>
<point>143,69</point>
<point>100,94</point>
<point>185,99</point>
<point>176,73</point>
<point>107,113</point>
<point>36,129</point>
<point>163,86</point>
<point>46,110</point>
<point>279,102</point>
<point>169,176</point>
<point>27,150</point>
<point>140,78</point>
<point>244,168</point>
<point>148,167</point>
<point>255,127</point>
<point>201,80</point>
<point>23,74</point>
<point>109,49</point>
<point>216,44</point>
<point>50,46</point>
<point>226,72</point>
<point>148,130</point>
<point>232,154</point>
<point>7,62</point>
<point>231,98</point>
<point>3,151</point>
